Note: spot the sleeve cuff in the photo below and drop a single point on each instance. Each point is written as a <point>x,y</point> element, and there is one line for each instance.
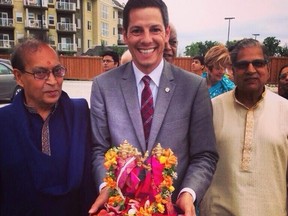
<point>102,185</point>
<point>189,190</point>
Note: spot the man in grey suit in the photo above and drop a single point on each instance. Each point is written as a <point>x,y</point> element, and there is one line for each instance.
<point>182,112</point>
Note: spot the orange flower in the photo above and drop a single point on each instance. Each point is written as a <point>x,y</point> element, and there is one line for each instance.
<point>115,200</point>
<point>158,198</point>
<point>110,182</point>
<point>171,159</point>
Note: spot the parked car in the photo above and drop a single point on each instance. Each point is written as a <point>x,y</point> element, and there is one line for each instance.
<point>8,85</point>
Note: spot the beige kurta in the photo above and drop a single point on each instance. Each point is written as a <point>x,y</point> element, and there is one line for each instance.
<point>251,174</point>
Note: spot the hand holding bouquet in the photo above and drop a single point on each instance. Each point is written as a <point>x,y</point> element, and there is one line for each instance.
<point>140,185</point>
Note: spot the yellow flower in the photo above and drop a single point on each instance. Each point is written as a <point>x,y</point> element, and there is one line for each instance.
<point>171,188</point>
<point>144,212</point>
<point>162,159</point>
<point>160,207</point>
<point>110,158</point>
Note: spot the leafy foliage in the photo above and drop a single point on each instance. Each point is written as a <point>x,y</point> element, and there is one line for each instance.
<point>272,46</point>
<point>199,48</point>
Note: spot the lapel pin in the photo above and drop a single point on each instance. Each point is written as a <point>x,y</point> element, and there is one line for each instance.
<point>167,89</point>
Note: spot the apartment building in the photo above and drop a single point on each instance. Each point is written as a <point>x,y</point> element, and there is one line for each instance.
<point>70,26</point>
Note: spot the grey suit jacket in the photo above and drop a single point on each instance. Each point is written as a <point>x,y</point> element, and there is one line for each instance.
<point>182,121</point>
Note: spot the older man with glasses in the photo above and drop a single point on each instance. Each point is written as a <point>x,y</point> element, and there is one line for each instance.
<point>251,130</point>
<point>44,140</point>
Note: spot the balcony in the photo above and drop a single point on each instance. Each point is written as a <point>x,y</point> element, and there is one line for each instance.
<point>70,27</point>
<point>66,6</point>
<point>36,24</point>
<point>7,22</point>
<point>6,3</point>
<point>67,47</point>
<point>120,21</point>
<point>36,3</point>
<point>6,44</point>
<point>120,40</point>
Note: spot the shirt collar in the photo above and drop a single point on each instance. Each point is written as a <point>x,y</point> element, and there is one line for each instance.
<point>154,75</point>
<point>34,111</point>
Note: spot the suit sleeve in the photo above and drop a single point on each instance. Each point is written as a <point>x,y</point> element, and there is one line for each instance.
<point>100,133</point>
<point>203,155</point>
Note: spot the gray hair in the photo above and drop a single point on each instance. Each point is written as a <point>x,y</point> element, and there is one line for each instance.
<point>246,42</point>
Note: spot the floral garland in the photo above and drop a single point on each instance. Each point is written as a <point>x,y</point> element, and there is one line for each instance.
<point>122,204</point>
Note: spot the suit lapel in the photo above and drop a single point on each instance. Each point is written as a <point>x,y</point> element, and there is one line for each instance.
<point>165,93</point>
<point>129,89</point>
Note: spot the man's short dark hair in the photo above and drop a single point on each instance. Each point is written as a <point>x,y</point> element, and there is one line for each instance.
<point>26,46</point>
<point>200,59</point>
<point>137,4</point>
<point>113,54</point>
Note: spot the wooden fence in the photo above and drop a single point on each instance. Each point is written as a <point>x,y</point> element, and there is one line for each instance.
<point>87,67</point>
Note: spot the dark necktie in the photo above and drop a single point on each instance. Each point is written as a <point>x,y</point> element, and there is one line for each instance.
<point>147,109</point>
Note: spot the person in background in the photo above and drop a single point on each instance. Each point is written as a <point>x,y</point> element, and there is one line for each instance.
<point>45,165</point>
<point>182,122</point>
<point>251,131</point>
<point>110,60</point>
<point>216,60</point>
<point>126,57</point>
<point>170,50</point>
<point>197,65</point>
<point>283,82</point>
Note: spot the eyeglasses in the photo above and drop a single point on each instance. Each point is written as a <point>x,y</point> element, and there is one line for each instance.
<point>173,42</point>
<point>283,76</point>
<point>257,63</point>
<point>107,61</point>
<point>44,73</point>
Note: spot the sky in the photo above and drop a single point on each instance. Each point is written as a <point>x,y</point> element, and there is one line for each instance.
<point>203,20</point>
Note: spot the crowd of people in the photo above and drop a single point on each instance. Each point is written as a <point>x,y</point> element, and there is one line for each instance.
<point>229,132</point>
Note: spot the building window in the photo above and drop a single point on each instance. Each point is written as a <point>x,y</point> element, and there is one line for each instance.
<point>78,23</point>
<point>51,20</point>
<point>78,4</point>
<point>114,14</point>
<point>79,42</point>
<point>89,43</point>
<point>19,17</point>
<point>104,12</point>
<point>50,1</point>
<point>114,31</point>
<point>89,25</point>
<point>19,37</point>
<point>89,6</point>
<point>52,41</point>
<point>104,29</point>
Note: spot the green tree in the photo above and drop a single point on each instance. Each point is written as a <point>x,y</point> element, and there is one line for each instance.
<point>119,50</point>
<point>283,51</point>
<point>272,46</point>
<point>199,48</point>
<point>191,50</point>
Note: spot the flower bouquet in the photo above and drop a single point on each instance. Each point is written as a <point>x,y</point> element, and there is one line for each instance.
<point>140,185</point>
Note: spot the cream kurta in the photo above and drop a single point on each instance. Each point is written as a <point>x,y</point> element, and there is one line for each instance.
<point>251,177</point>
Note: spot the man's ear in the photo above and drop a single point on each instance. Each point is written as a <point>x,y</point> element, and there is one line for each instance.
<point>167,33</point>
<point>18,75</point>
<point>124,33</point>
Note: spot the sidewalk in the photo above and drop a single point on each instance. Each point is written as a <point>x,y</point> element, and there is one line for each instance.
<point>78,89</point>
